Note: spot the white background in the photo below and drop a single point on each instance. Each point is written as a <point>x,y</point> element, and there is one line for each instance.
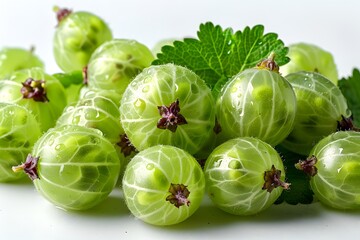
<point>333,25</point>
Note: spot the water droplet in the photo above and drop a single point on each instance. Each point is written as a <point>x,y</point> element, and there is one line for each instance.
<point>87,102</point>
<point>140,105</point>
<point>76,120</point>
<point>145,89</point>
<point>94,140</point>
<point>92,114</point>
<point>147,80</point>
<point>234,89</point>
<point>50,140</point>
<point>150,166</point>
<point>11,112</point>
<point>59,147</point>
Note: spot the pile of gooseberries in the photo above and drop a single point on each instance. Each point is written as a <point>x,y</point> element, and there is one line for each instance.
<point>111,119</point>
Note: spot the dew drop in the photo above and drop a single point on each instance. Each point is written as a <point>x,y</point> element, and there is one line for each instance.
<point>92,114</point>
<point>133,84</point>
<point>50,140</point>
<point>76,120</point>
<point>145,89</point>
<point>150,166</point>
<point>95,140</point>
<point>147,79</point>
<point>59,147</point>
<point>140,105</point>
<point>11,112</point>
<point>234,89</point>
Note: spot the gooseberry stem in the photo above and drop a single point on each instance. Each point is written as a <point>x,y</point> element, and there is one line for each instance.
<point>269,63</point>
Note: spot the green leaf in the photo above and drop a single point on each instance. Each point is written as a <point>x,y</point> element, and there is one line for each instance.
<point>350,87</point>
<point>217,54</point>
<point>72,82</point>
<point>300,191</point>
<point>67,79</point>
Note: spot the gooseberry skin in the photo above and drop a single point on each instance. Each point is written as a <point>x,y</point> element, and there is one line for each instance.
<point>96,109</point>
<point>46,113</point>
<point>161,86</point>
<point>19,131</point>
<point>115,63</point>
<point>320,106</point>
<point>311,58</point>
<point>76,37</point>
<point>147,180</point>
<point>14,59</point>
<point>256,103</point>
<point>77,167</point>
<point>234,175</point>
<point>337,181</point>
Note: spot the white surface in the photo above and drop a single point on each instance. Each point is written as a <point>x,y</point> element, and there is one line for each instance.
<point>333,25</point>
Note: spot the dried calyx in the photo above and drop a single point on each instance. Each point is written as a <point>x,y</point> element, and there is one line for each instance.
<point>346,124</point>
<point>170,117</point>
<point>61,13</point>
<point>29,167</point>
<point>126,146</point>
<point>34,89</point>
<point>308,166</point>
<point>272,180</point>
<point>269,64</point>
<point>179,195</point>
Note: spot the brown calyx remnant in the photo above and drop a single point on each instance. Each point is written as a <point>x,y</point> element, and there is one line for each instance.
<point>29,167</point>
<point>170,117</point>
<point>346,124</point>
<point>34,89</point>
<point>272,180</point>
<point>269,64</point>
<point>308,166</point>
<point>126,146</point>
<point>179,195</point>
<point>61,13</point>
